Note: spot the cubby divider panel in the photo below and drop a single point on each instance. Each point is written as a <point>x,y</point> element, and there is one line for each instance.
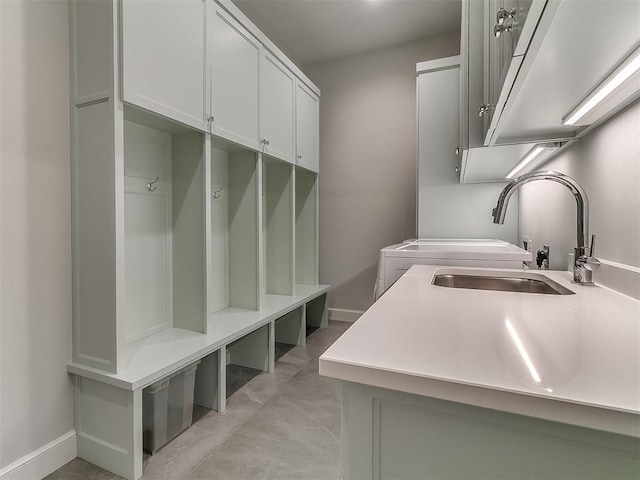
<point>316,312</point>
<point>306,227</point>
<point>278,226</point>
<point>189,254</point>
<point>210,391</point>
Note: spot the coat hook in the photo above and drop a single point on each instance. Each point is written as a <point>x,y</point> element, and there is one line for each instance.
<point>151,185</point>
<point>216,193</point>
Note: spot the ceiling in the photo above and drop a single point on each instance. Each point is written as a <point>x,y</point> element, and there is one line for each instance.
<point>313,31</point>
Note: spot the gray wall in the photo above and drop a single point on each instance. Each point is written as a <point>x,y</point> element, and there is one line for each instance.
<point>368,161</point>
<point>446,208</point>
<point>35,244</point>
<point>606,162</point>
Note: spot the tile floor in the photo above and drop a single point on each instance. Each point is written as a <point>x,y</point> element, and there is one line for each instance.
<point>283,425</point>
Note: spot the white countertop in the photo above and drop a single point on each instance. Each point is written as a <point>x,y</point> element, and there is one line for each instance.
<point>459,345</point>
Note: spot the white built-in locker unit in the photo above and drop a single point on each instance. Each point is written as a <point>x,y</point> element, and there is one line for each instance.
<point>194,208</point>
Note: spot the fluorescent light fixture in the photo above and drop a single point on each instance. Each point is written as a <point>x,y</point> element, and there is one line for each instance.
<point>619,76</point>
<point>531,155</point>
<point>523,351</point>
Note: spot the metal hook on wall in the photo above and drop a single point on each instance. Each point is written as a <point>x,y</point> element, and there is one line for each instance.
<point>216,193</point>
<point>151,185</point>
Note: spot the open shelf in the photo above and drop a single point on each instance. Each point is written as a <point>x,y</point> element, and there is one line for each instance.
<point>247,356</point>
<point>290,329</point>
<point>164,251</point>
<point>306,227</point>
<point>277,227</point>
<point>234,228</point>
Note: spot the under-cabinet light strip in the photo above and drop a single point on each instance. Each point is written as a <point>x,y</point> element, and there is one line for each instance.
<point>537,150</point>
<point>523,351</point>
<point>630,66</point>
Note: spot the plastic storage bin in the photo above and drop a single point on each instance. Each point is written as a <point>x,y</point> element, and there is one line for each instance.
<point>167,408</point>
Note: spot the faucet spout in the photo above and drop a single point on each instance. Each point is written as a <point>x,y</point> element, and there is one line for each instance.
<point>583,263</point>
<point>582,203</point>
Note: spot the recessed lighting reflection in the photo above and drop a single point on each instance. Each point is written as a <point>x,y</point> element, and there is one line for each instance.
<point>523,352</point>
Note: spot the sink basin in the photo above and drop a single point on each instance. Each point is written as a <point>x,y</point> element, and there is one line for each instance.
<point>501,281</point>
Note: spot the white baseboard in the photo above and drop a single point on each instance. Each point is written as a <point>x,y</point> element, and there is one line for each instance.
<point>344,315</point>
<point>43,461</point>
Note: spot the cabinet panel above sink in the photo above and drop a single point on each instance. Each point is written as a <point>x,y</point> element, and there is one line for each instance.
<point>575,46</point>
<point>512,104</point>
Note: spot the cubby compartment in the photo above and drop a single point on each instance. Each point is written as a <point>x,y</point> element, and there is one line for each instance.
<point>277,227</point>
<point>290,330</point>
<point>164,226</point>
<point>234,250</point>
<point>247,357</point>
<point>306,227</point>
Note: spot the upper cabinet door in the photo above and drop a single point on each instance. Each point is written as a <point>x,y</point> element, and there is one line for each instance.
<point>277,109</point>
<point>234,56</point>
<point>163,59</point>
<point>307,128</point>
<point>510,28</point>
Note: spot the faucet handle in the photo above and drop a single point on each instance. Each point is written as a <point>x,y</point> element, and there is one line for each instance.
<point>592,263</point>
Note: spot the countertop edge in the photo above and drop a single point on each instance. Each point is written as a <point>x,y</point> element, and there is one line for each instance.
<point>613,421</point>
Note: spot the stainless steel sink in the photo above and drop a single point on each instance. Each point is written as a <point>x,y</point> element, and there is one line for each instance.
<point>525,283</point>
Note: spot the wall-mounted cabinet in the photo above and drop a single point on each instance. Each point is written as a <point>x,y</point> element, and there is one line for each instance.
<point>234,62</point>
<point>487,64</point>
<point>548,86</point>
<point>509,26</point>
<point>529,85</point>
<point>163,62</point>
<point>277,108</point>
<point>203,64</point>
<point>307,128</point>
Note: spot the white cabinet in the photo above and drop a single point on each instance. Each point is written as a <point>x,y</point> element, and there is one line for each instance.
<point>234,72</point>
<point>392,434</point>
<point>568,57</point>
<point>277,108</point>
<point>163,59</point>
<point>509,27</point>
<point>307,128</point>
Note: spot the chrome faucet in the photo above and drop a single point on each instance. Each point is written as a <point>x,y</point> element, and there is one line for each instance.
<point>583,264</point>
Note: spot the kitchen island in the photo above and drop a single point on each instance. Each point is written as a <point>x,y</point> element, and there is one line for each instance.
<point>445,382</point>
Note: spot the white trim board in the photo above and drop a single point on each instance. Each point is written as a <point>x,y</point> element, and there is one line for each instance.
<point>344,315</point>
<point>619,276</point>
<point>44,460</point>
